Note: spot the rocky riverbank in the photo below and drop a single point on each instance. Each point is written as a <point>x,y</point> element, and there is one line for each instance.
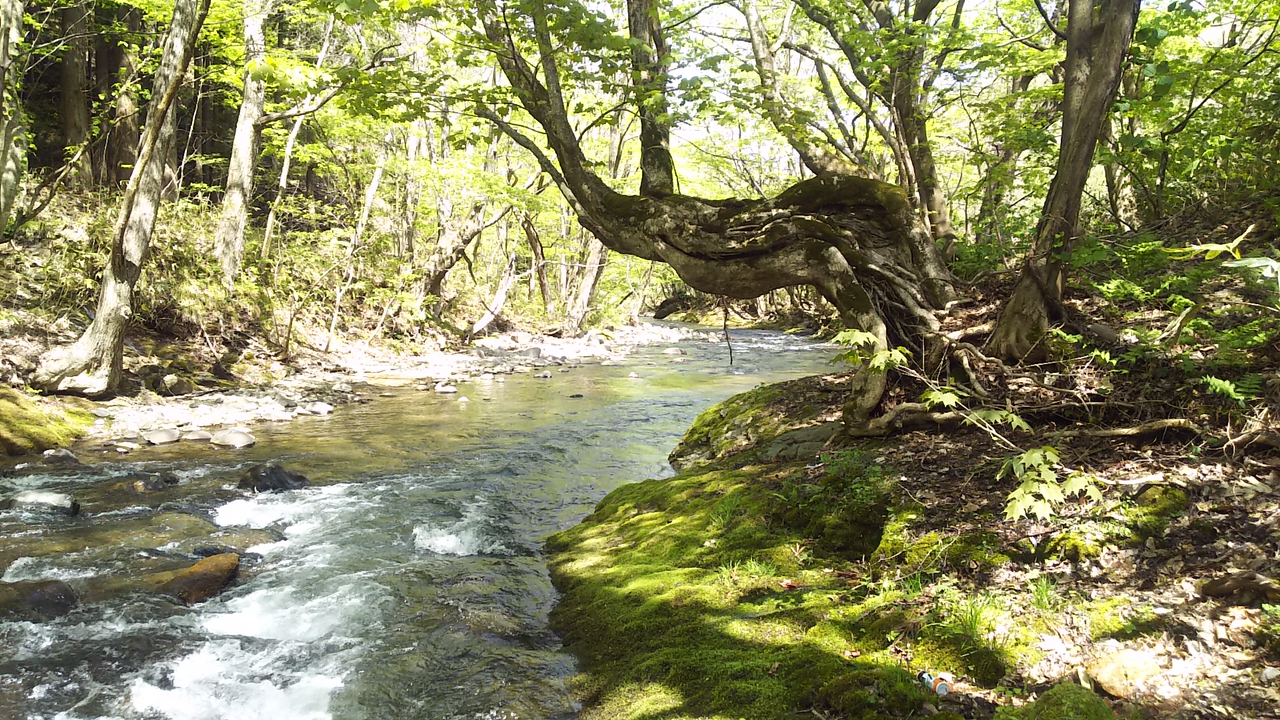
<point>170,396</point>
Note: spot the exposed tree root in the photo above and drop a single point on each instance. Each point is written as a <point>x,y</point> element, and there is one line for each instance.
<point>1135,431</point>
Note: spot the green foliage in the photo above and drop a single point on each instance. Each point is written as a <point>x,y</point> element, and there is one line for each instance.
<point>863,350</point>
<point>1041,490</point>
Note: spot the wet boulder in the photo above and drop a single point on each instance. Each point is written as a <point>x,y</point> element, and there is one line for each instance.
<point>272,477</point>
<point>204,579</point>
<point>42,500</point>
<point>37,599</point>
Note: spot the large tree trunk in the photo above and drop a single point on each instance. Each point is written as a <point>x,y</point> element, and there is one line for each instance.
<point>121,150</point>
<point>1098,36</point>
<point>93,364</point>
<point>229,238</point>
<point>13,126</point>
<point>74,90</point>
<point>856,240</point>
<point>649,62</point>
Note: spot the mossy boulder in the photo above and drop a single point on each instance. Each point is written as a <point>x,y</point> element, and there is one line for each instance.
<point>26,427</point>
<point>746,420</point>
<point>1062,702</point>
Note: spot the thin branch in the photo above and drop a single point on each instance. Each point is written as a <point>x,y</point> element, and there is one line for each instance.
<point>1049,23</point>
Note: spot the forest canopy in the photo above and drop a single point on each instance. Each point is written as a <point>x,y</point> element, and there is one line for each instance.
<point>421,170</point>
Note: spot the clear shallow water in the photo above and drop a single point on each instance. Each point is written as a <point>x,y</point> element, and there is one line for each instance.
<point>407,582</point>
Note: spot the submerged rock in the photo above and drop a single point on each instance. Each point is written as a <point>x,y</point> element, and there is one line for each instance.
<point>272,477</point>
<point>45,500</point>
<point>204,579</point>
<point>60,456</point>
<point>233,438</point>
<point>37,599</point>
<point>144,483</point>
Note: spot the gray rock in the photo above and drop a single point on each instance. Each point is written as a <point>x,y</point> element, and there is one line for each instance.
<point>543,375</point>
<point>198,435</point>
<point>44,500</point>
<point>60,456</point>
<point>319,408</point>
<point>162,436</point>
<point>446,388</point>
<point>673,351</point>
<point>233,438</point>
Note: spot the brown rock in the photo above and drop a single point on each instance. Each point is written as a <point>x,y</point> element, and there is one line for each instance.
<point>1125,672</point>
<point>37,600</point>
<point>204,579</point>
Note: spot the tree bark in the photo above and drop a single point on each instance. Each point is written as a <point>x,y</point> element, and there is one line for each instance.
<point>124,129</point>
<point>649,63</point>
<point>1098,37</point>
<point>74,94</point>
<point>13,125</point>
<point>93,364</point>
<point>229,238</point>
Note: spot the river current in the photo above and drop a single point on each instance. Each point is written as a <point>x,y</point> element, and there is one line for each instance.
<point>407,581</point>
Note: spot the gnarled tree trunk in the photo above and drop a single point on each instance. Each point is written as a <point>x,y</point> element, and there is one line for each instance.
<point>856,240</point>
<point>93,364</point>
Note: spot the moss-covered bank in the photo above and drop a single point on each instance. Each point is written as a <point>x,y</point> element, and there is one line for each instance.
<point>28,428</point>
<point>754,586</point>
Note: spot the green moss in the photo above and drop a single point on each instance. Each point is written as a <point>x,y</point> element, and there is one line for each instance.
<point>1153,508</point>
<point>1061,702</point>
<point>1119,617</point>
<point>674,601</point>
<point>1080,543</point>
<point>26,428</point>
<point>734,425</point>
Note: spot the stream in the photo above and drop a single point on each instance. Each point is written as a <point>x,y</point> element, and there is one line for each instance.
<point>407,581</point>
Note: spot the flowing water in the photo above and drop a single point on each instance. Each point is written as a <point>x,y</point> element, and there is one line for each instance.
<point>406,582</point>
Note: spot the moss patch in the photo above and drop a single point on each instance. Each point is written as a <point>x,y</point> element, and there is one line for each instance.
<point>28,428</point>
<point>692,597</point>
<point>1062,702</point>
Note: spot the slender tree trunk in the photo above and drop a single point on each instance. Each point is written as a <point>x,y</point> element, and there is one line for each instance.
<point>269,231</point>
<point>499,300</point>
<point>588,280</point>
<point>74,90</point>
<point>93,364</point>
<point>357,238</point>
<point>1098,36</point>
<point>13,126</point>
<point>539,261</point>
<point>125,129</point>
<point>229,238</point>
